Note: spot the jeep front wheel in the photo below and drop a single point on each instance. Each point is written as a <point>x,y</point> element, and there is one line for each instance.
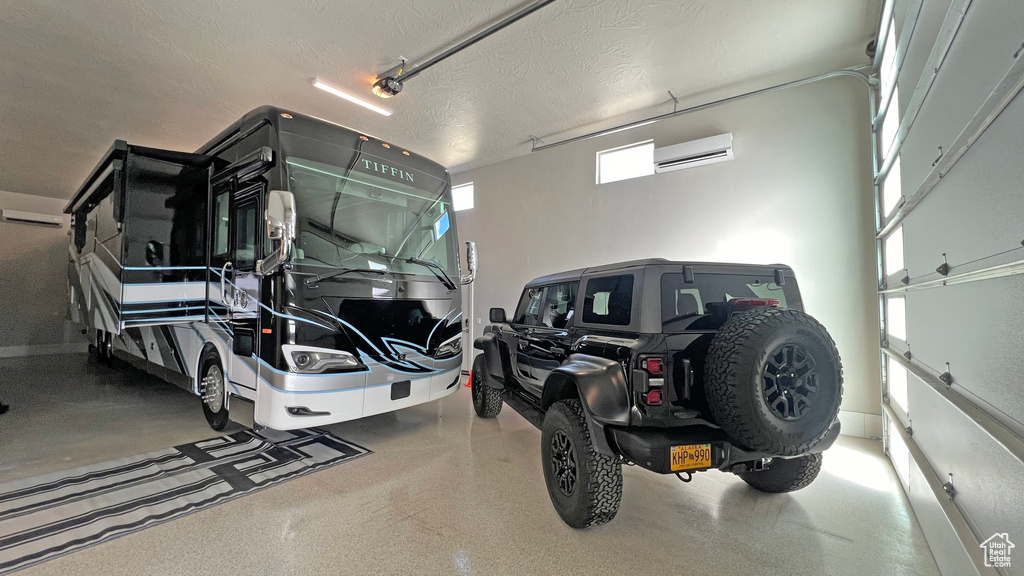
<point>585,487</point>
<point>784,474</point>
<point>486,400</point>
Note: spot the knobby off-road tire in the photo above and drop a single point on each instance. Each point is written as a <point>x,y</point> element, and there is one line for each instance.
<point>486,400</point>
<point>585,487</point>
<point>785,474</point>
<point>774,380</point>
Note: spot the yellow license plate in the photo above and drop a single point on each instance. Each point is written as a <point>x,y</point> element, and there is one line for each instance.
<point>691,456</point>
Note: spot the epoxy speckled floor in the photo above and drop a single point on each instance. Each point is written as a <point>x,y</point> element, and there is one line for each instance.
<point>444,493</point>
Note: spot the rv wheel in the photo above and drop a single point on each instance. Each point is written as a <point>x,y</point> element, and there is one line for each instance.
<point>103,347</point>
<point>212,391</point>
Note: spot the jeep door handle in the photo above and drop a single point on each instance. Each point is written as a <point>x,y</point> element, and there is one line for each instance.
<point>557,350</point>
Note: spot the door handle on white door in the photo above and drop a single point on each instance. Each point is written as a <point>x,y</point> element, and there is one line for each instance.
<point>223,286</point>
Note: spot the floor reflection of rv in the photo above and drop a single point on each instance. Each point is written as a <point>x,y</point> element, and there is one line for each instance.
<point>291,268</point>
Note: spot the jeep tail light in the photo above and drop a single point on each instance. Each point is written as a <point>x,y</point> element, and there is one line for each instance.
<point>757,301</point>
<point>653,366</point>
<point>652,397</point>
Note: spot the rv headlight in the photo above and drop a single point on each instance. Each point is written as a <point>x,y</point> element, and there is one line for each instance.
<point>306,360</point>
<point>449,347</point>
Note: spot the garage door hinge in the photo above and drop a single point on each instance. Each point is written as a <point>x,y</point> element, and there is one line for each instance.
<point>944,267</point>
<point>946,377</point>
<point>949,489</point>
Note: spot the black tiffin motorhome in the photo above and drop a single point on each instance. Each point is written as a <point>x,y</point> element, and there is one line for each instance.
<point>291,267</point>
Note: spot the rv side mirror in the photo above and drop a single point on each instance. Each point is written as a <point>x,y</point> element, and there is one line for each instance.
<point>280,216</point>
<point>470,274</point>
<point>498,316</point>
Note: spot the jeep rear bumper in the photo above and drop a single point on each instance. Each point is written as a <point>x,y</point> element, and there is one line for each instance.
<point>650,448</point>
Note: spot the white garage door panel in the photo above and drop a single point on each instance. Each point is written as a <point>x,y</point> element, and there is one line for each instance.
<point>929,21</point>
<point>949,552</point>
<point>979,57</point>
<point>966,221</point>
<point>976,327</point>
<point>986,477</point>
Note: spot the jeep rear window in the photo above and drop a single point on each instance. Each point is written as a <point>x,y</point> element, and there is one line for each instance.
<point>681,302</point>
<point>609,300</point>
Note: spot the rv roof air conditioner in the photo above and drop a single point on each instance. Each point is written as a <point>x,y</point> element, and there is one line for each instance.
<point>693,154</point>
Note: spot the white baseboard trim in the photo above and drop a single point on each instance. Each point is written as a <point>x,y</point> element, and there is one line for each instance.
<point>43,349</point>
<point>861,424</point>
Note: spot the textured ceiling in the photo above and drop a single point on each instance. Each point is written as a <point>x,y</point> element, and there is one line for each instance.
<point>76,74</point>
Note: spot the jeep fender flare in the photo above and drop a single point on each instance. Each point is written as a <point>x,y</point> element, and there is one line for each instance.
<point>489,345</point>
<point>601,386</point>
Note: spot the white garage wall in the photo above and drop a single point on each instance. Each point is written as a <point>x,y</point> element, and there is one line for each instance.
<point>798,192</point>
<point>33,281</point>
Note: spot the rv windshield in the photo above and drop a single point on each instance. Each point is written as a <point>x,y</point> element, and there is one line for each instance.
<point>361,210</point>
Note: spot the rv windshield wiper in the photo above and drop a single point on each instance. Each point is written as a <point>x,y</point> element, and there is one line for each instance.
<point>436,269</point>
<point>311,282</point>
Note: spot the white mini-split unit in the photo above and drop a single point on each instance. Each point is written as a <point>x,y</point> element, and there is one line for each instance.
<point>31,217</point>
<point>693,154</point>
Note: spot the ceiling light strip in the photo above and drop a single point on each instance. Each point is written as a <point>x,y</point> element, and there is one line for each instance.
<point>318,83</point>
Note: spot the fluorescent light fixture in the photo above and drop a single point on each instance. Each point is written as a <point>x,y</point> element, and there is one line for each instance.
<point>353,99</point>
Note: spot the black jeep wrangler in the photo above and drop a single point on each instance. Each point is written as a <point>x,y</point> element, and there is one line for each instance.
<point>676,367</point>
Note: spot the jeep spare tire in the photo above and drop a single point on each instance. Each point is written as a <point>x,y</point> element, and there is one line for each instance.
<point>774,380</point>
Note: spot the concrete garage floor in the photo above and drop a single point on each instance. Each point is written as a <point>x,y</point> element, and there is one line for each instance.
<point>445,492</point>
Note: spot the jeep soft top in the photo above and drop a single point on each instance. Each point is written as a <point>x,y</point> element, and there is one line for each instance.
<point>676,367</point>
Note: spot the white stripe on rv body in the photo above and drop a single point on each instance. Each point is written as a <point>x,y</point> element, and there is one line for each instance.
<point>105,277</point>
<point>164,292</point>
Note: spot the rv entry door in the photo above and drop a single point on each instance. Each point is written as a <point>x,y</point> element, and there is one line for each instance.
<point>235,287</point>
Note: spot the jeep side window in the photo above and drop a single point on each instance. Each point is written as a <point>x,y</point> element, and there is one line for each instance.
<point>529,310</point>
<point>558,304</point>
<point>609,300</point>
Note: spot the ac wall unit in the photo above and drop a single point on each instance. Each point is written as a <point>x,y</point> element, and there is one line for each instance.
<point>693,154</point>
<point>31,217</point>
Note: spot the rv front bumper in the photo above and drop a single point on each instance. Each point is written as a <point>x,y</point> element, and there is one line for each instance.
<point>292,401</point>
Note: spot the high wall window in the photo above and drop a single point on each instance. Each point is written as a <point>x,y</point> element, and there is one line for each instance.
<point>624,162</point>
<point>462,197</point>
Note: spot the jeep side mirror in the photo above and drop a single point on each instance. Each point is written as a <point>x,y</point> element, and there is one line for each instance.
<point>280,217</point>
<point>498,316</point>
<point>470,274</point>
